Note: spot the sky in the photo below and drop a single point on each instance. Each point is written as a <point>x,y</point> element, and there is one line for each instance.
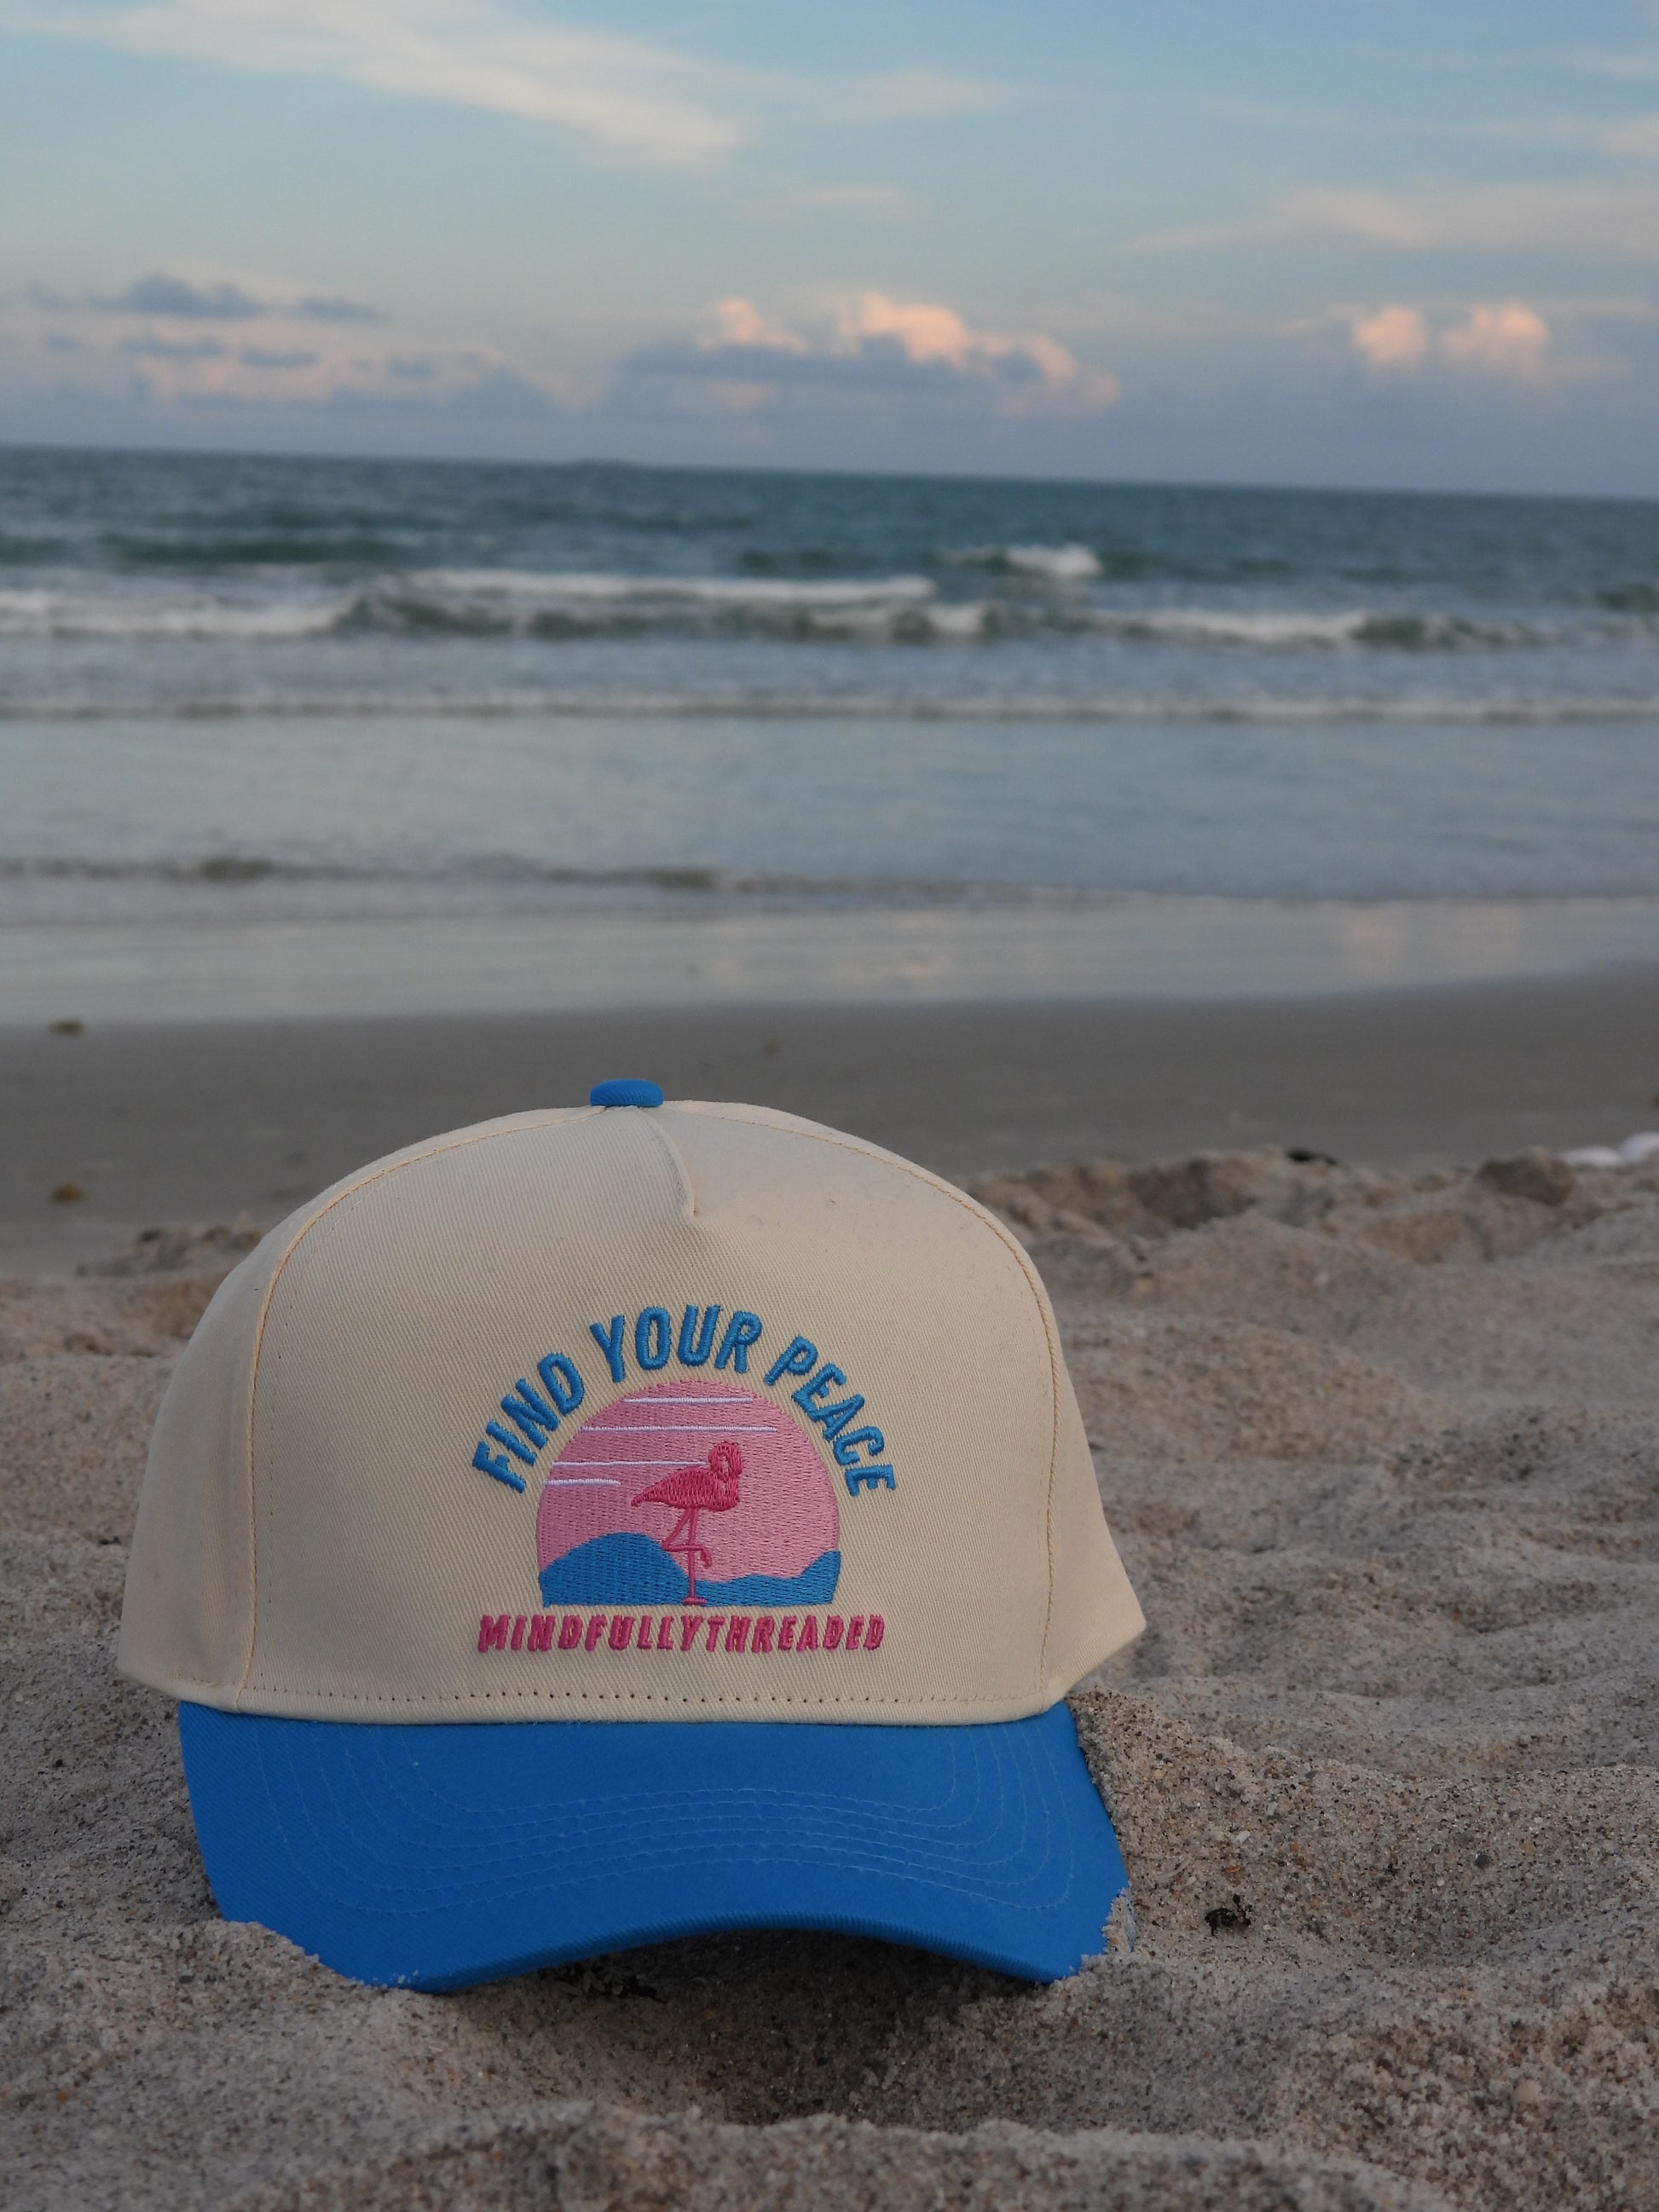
<point>1289,242</point>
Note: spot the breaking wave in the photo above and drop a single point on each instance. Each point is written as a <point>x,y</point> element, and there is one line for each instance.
<point>1290,630</point>
<point>180,618</point>
<point>1055,564</point>
<point>507,603</point>
<point>500,603</point>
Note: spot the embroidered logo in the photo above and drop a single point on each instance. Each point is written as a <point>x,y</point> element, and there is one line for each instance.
<point>690,1493</point>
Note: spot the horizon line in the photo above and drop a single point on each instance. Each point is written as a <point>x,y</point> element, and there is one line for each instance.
<point>335,456</point>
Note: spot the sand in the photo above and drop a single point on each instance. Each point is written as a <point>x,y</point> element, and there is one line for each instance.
<point>1381,1450</point>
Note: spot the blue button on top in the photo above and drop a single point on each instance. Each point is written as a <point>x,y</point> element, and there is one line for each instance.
<point>626,1091</point>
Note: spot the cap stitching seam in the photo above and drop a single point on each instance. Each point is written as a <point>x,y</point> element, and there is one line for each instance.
<point>362,1180</point>
<point>688,1189</point>
<point>970,1205</point>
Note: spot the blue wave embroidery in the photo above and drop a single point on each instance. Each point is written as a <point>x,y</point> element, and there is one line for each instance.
<point>626,1569</point>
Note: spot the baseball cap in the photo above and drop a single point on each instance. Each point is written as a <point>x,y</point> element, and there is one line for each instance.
<point>625,1522</point>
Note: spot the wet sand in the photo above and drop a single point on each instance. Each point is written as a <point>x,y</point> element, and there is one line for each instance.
<point>180,1122</point>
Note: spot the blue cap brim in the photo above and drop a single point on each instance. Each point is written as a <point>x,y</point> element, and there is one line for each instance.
<point>435,1856</point>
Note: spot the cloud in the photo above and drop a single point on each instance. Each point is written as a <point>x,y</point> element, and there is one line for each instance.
<point>935,336</point>
<point>740,323</point>
<point>162,296</point>
<point>493,414</point>
<point>213,335</point>
<point>183,299</point>
<point>159,294</point>
<point>201,374</point>
<point>874,342</point>
<point>1502,338</point>
<point>1510,340</point>
<point>180,357</point>
<point>626,95</point>
<point>634,99</point>
<point>1394,337</point>
<point>1612,221</point>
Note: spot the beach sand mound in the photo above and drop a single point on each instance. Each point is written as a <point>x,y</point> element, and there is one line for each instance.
<point>1383,1455</point>
<point>1503,1208</point>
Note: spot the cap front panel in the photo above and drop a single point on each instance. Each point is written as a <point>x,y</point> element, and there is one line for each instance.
<point>643,1415</point>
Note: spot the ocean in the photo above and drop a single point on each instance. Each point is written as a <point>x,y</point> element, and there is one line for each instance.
<point>280,736</point>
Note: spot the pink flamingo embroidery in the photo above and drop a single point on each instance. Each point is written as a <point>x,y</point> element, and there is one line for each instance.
<point>691,1491</point>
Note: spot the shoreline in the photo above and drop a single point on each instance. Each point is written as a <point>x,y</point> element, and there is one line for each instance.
<point>976,948</point>
<point>208,1121</point>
